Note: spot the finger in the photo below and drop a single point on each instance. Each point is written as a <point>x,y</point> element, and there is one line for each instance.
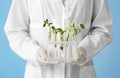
<point>81,59</point>
<point>43,55</point>
<point>41,61</point>
<point>78,50</point>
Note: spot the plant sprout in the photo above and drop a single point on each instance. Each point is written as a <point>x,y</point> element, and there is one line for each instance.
<point>46,22</point>
<point>54,30</point>
<point>67,33</point>
<point>61,34</point>
<point>76,30</point>
<point>72,28</point>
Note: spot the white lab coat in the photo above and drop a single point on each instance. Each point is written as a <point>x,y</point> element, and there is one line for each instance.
<point>26,35</point>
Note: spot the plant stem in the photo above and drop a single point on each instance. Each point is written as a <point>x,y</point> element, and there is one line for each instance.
<point>61,38</point>
<point>55,39</point>
<point>49,33</point>
<point>73,37</point>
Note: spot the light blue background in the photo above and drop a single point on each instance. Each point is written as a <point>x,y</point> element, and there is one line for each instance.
<point>107,62</point>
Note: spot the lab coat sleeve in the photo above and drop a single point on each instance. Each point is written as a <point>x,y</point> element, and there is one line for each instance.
<point>100,33</point>
<point>16,29</point>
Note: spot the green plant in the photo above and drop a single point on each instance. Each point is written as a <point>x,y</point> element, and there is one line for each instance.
<point>61,34</point>
<point>54,30</point>
<point>46,22</point>
<point>72,28</point>
<point>82,26</point>
<point>76,29</point>
<point>67,33</point>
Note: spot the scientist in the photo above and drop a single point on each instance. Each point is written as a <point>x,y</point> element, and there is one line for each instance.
<point>28,39</point>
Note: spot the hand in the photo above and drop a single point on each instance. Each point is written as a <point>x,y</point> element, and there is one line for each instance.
<point>81,56</point>
<point>41,58</point>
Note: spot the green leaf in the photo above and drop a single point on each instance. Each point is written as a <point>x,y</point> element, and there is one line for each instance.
<point>62,32</point>
<point>53,28</point>
<point>59,30</point>
<point>82,26</point>
<point>46,20</point>
<point>44,25</point>
<point>73,26</point>
<point>49,24</point>
<point>75,31</point>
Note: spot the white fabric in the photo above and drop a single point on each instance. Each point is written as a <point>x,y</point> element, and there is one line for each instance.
<point>26,34</point>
